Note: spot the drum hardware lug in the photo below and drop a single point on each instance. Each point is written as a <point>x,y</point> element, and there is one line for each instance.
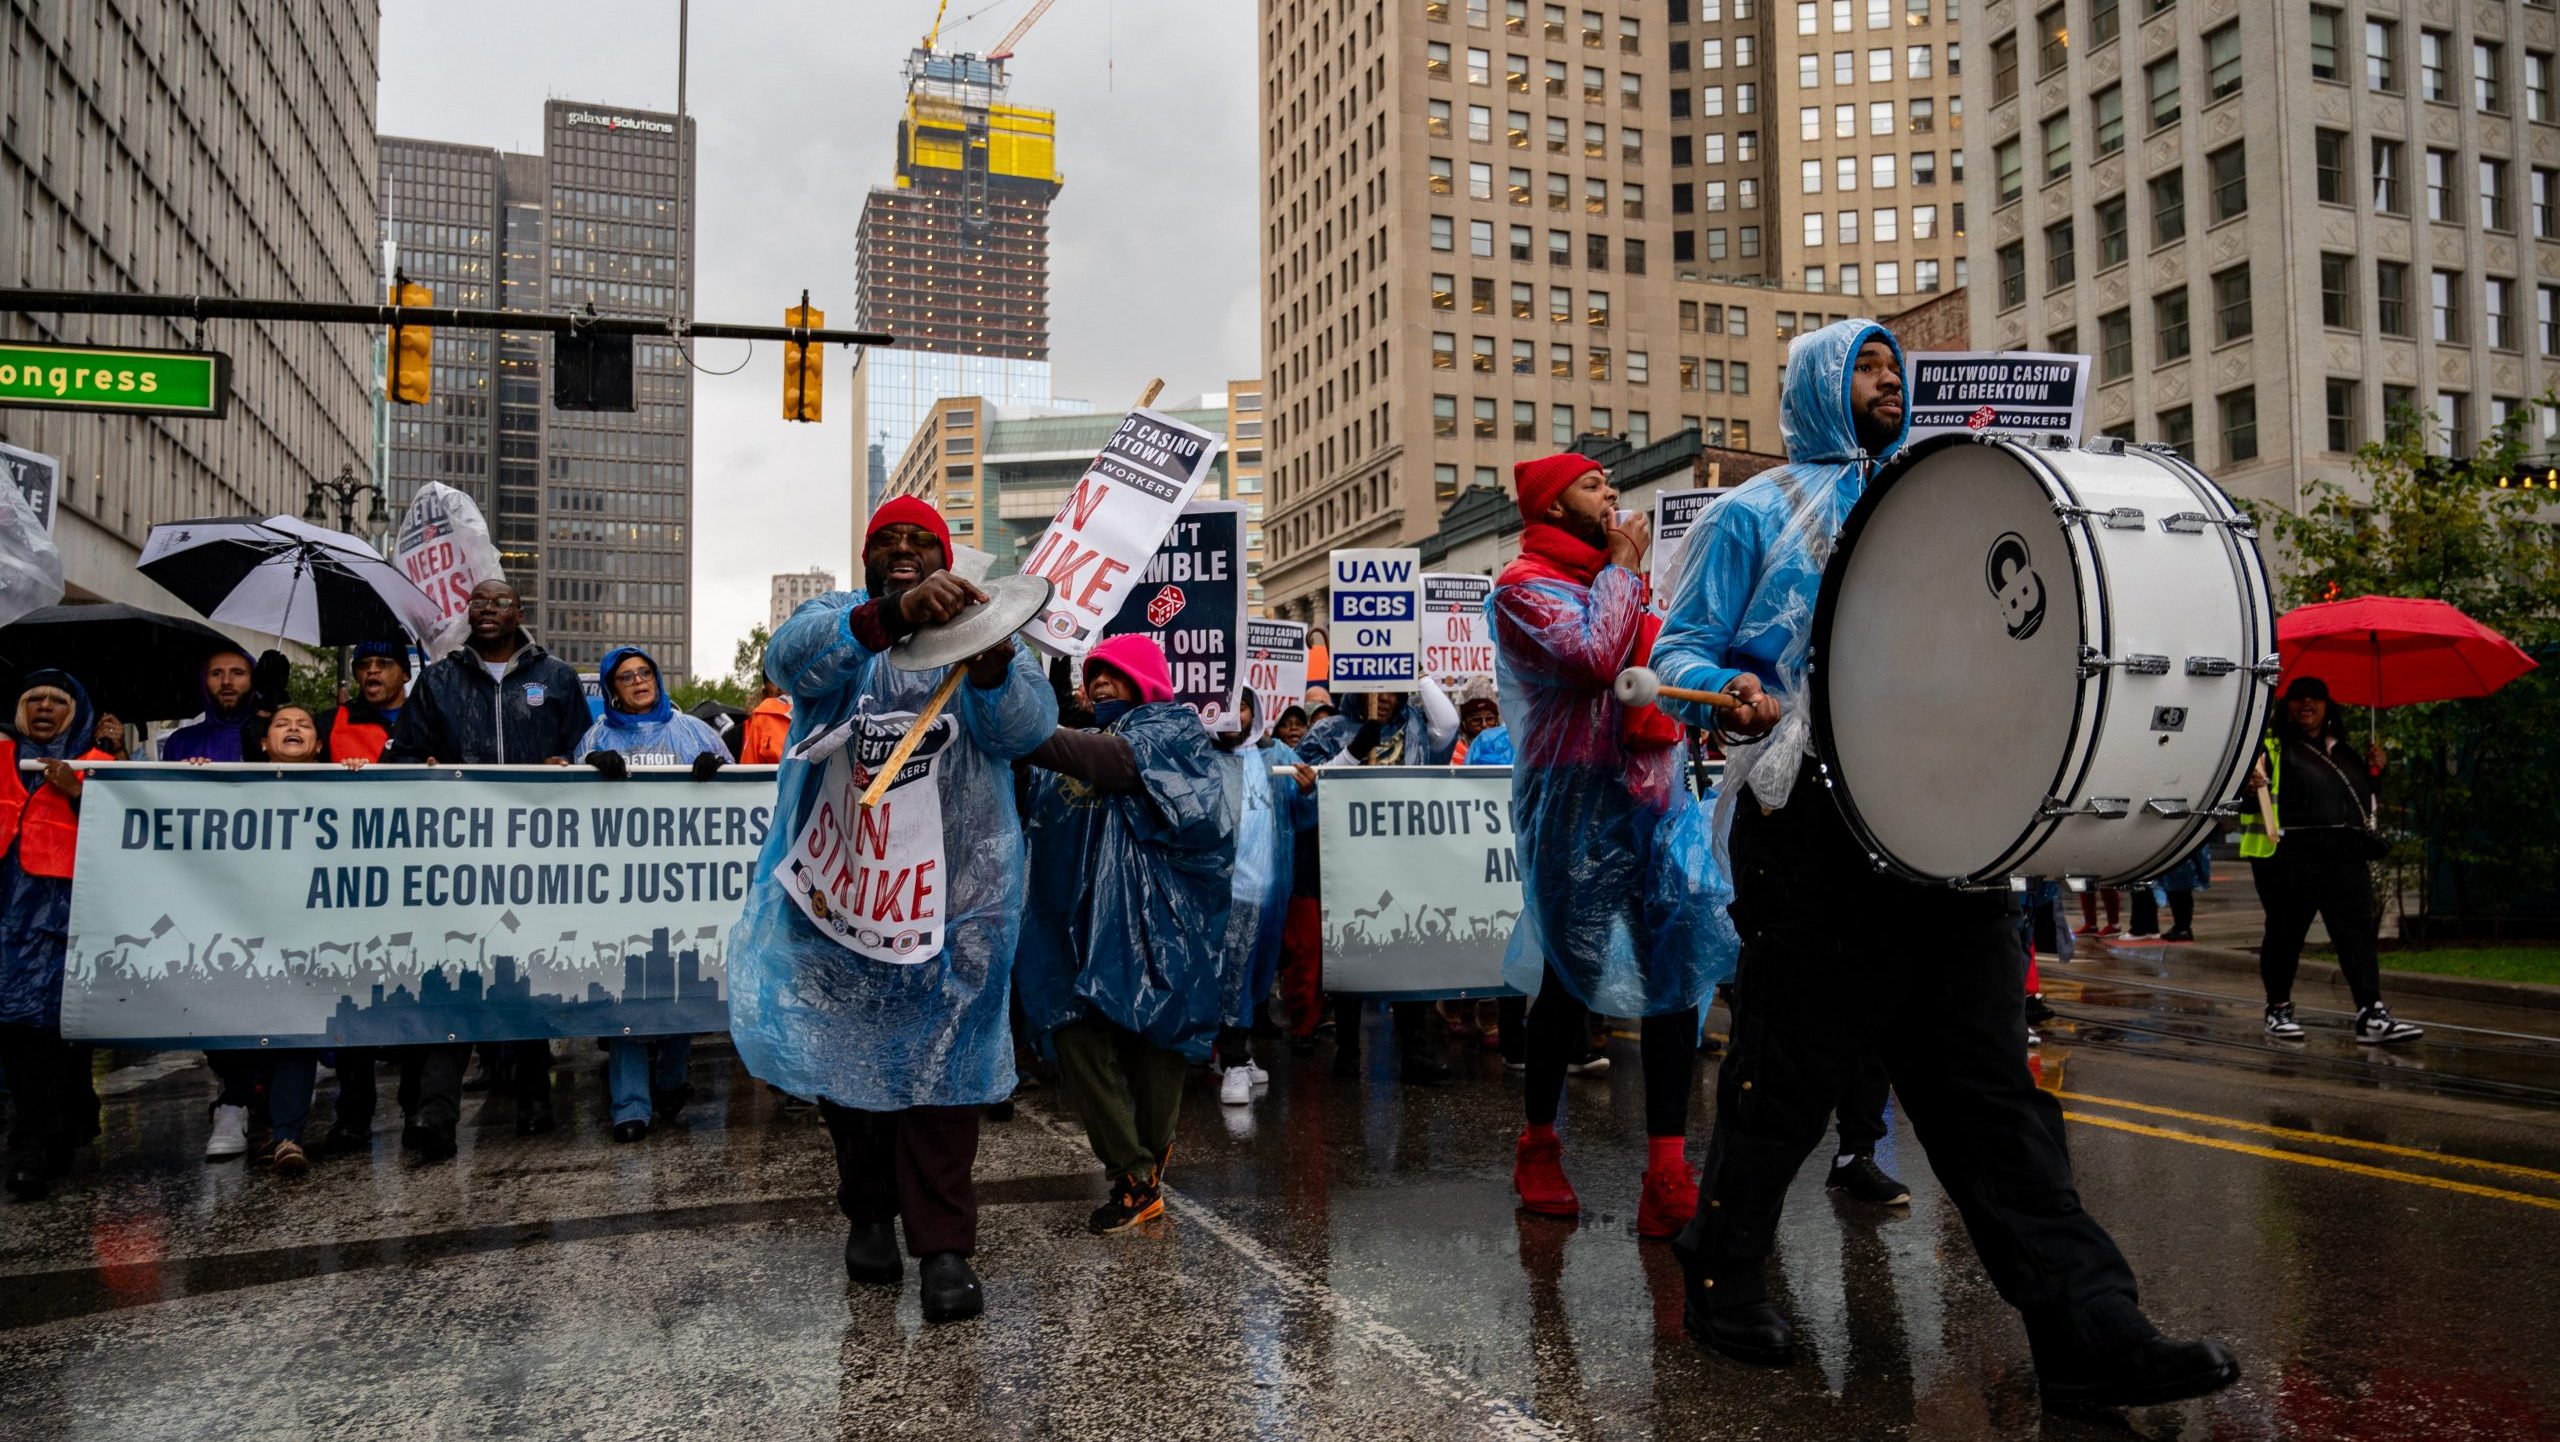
<point>2188,523</point>
<point>2119,518</point>
<point>1875,863</point>
<point>2172,808</point>
<point>2093,661</point>
<point>2106,446</point>
<point>2268,669</point>
<point>2105,808</point>
<point>2224,812</point>
<point>2211,666</point>
<point>2051,441</point>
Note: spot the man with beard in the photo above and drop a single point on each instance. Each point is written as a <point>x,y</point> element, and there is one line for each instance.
<point>224,732</point>
<point>500,700</point>
<point>1623,910</point>
<point>1840,962</point>
<point>903,1048</point>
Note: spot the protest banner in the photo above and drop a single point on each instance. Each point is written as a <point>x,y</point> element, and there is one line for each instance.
<point>314,906</point>
<point>1275,666</point>
<point>37,476</point>
<point>444,549</point>
<point>1376,609</point>
<point>1191,602</point>
<point>1675,515</point>
<point>1456,640</point>
<point>1421,891</point>
<point>2031,392</point>
<point>1118,513</point>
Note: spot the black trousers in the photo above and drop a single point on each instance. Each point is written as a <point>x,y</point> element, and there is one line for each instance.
<point>1862,1108</point>
<point>914,1164</point>
<point>1558,1030</point>
<point>53,1106</point>
<point>2307,878</point>
<point>431,1081</point>
<point>1840,966</point>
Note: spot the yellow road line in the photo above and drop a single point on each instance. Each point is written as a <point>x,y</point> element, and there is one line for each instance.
<point>2471,1189</point>
<point>2293,1134</point>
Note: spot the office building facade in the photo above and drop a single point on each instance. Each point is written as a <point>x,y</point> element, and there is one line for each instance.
<point>162,158</point>
<point>2274,226</point>
<point>792,588</point>
<point>592,510</point>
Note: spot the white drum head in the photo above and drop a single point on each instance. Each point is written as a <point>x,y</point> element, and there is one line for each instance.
<point>1946,655</point>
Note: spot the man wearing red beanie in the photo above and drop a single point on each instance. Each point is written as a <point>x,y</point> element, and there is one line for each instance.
<point>1623,906</point>
<point>1133,845</point>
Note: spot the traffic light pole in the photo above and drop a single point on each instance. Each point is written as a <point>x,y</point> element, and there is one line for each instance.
<point>206,307</point>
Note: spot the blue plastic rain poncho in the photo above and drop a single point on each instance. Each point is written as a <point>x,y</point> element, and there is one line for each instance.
<point>1270,812</point>
<point>36,926</point>
<point>818,1020</point>
<point>659,736</point>
<point>1130,890</point>
<point>1745,600</point>
<point>1326,739</point>
<point>1491,747</point>
<point>1623,896</point>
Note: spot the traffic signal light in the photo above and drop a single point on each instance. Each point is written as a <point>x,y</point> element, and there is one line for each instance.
<point>804,366</point>
<point>413,349</point>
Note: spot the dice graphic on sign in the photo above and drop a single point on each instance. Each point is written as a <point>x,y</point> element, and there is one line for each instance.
<point>1167,604</point>
<point>1981,418</point>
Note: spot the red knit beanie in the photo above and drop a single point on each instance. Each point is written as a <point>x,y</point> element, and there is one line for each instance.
<point>1141,660</point>
<point>908,510</point>
<point>1539,482</point>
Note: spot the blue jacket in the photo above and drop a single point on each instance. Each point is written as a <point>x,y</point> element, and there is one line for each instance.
<point>820,1021</point>
<point>458,715</point>
<point>36,925</point>
<point>1745,599</point>
<point>1492,747</point>
<point>659,736</point>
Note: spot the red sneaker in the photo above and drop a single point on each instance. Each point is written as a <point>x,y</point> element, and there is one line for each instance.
<point>1537,1174</point>
<point>1670,1200</point>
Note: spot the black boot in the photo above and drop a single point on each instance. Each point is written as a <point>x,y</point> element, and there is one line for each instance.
<point>949,1289</point>
<point>871,1254</point>
<point>1732,1313</point>
<point>2136,1374</point>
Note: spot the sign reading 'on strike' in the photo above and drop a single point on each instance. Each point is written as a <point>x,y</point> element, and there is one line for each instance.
<point>1275,665</point>
<point>1456,642</point>
<point>1376,608</point>
<point>1120,511</point>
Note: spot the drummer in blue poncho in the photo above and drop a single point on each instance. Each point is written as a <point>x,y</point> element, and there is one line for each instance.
<point>873,966</point>
<point>1624,910</point>
<point>640,726</point>
<point>1133,840</point>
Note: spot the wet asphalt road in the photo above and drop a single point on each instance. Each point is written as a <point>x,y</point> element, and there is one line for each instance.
<point>2377,1235</point>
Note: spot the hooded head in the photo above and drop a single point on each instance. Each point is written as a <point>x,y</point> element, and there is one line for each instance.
<point>52,692</point>
<point>898,546</point>
<point>1816,418</point>
<point>616,711</point>
<point>1139,659</point>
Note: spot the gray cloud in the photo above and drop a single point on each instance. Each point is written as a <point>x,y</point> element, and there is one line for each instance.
<point>1153,249</point>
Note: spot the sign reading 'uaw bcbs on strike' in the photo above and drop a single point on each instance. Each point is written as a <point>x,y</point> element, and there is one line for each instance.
<point>1961,392</point>
<point>1120,511</point>
<point>1377,620</point>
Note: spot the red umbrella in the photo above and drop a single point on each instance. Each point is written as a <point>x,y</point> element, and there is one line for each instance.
<point>2396,651</point>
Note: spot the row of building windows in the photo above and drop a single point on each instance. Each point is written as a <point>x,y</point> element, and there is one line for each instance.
<point>1557,75</point>
<point>1561,429</point>
<point>1441,179</point>
<point>1918,62</point>
<point>1880,14</point>
<point>1883,172</point>
<point>1523,245</point>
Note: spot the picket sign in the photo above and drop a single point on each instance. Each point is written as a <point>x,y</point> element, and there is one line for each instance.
<point>1114,519</point>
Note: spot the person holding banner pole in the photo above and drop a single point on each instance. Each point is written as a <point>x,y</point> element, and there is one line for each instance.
<point>1624,903</point>
<point>53,1107</point>
<point>903,1045</point>
<point>1831,972</point>
<point>1133,846</point>
<point>1272,808</point>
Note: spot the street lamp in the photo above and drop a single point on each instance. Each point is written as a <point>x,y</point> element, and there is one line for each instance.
<point>343,490</point>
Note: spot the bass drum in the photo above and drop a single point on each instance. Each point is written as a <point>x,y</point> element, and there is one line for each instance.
<point>2036,659</point>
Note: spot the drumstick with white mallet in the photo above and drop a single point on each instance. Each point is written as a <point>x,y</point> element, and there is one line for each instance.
<point>1639,686</point>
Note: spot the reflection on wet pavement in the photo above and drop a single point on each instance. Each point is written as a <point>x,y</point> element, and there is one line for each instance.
<point>1342,1259</point>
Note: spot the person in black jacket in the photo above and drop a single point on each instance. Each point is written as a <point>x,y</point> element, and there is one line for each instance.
<point>500,700</point>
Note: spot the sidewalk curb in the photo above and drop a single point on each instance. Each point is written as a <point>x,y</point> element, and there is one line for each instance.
<point>2316,972</point>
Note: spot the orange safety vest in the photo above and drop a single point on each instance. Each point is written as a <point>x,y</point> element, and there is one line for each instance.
<point>353,740</point>
<point>41,822</point>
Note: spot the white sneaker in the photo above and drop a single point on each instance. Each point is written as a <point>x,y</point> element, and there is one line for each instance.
<point>1260,1077</point>
<point>1236,1089</point>
<point>2280,1022</point>
<point>230,1133</point>
<point>2374,1025</point>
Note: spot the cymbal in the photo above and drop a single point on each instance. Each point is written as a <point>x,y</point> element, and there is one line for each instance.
<point>1011,603</point>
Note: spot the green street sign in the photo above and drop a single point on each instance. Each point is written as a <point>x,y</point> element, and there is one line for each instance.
<point>96,378</point>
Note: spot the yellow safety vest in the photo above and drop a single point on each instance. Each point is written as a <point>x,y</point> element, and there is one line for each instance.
<point>2258,830</point>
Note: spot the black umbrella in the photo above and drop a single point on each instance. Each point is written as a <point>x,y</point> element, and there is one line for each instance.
<point>722,717</point>
<point>139,664</point>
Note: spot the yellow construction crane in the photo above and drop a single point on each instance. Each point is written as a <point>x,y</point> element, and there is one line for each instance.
<point>1021,27</point>
<point>936,32</point>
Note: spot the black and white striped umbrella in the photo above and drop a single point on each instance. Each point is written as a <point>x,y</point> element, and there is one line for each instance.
<point>285,577</point>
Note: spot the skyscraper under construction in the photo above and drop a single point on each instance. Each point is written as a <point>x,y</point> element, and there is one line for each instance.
<point>955,259</point>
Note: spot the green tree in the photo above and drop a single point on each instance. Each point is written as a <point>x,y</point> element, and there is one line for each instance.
<point>741,687</point>
<point>2473,780</point>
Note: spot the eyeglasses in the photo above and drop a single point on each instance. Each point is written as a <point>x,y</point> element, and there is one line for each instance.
<point>492,603</point>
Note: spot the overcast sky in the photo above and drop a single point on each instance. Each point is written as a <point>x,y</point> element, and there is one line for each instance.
<point>1152,247</point>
